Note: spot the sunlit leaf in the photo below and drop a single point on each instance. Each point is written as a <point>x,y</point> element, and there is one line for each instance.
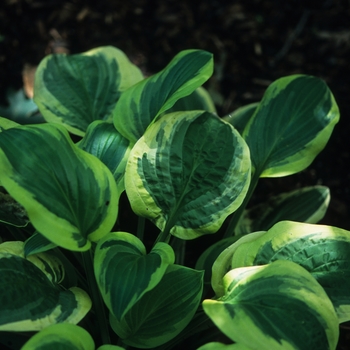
<point>188,173</point>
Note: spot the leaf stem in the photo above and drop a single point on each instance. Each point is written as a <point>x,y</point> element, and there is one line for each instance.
<point>97,302</point>
<point>230,231</point>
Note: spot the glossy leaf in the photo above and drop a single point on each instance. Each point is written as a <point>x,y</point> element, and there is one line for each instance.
<point>308,204</point>
<point>124,271</point>
<point>30,297</point>
<point>188,173</point>
<point>164,311</point>
<point>75,201</point>
<point>77,89</point>
<point>322,250</point>
<point>143,102</point>
<point>275,307</point>
<point>59,337</point>
<point>105,142</point>
<point>291,125</point>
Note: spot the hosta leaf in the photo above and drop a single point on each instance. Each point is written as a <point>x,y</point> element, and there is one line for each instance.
<point>322,250</point>
<point>37,243</point>
<point>61,337</point>
<point>7,124</point>
<point>221,346</point>
<point>164,311</point>
<point>30,298</point>
<point>77,89</point>
<point>107,144</point>
<point>291,125</point>
<point>188,173</point>
<point>275,306</point>
<point>76,199</point>
<point>308,204</point>
<point>11,212</point>
<point>125,272</point>
<point>143,102</point>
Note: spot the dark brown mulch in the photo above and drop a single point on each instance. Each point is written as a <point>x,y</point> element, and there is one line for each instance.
<point>254,42</point>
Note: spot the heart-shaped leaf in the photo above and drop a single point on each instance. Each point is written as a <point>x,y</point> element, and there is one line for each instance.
<point>143,102</point>
<point>275,307</point>
<point>77,89</point>
<point>187,173</point>
<point>75,201</point>
<point>322,250</point>
<point>124,271</point>
<point>291,125</point>
<point>30,297</point>
<point>164,311</point>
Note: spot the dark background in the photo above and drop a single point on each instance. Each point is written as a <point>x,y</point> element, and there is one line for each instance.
<point>254,42</point>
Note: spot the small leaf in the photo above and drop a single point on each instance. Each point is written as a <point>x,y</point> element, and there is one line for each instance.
<point>164,311</point>
<point>125,272</point>
<point>37,243</point>
<point>77,89</point>
<point>322,250</point>
<point>11,212</point>
<point>61,336</point>
<point>188,173</point>
<point>31,299</point>
<point>291,125</point>
<point>75,201</point>
<point>308,204</point>
<point>275,307</point>
<point>143,102</point>
<point>105,142</point>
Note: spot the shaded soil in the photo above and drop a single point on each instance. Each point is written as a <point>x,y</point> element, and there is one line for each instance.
<point>253,42</point>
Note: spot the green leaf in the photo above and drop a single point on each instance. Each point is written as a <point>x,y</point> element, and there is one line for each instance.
<point>124,271</point>
<point>75,201</point>
<point>7,124</point>
<point>30,297</point>
<point>77,89</point>
<point>164,311</point>
<point>275,307</point>
<point>37,243</point>
<point>322,250</point>
<point>241,116</point>
<point>107,144</point>
<point>143,102</point>
<point>291,125</point>
<point>308,204</point>
<point>61,337</point>
<point>221,346</point>
<point>199,99</point>
<point>188,173</point>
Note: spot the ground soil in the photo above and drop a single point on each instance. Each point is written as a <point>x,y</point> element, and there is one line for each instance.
<point>253,42</point>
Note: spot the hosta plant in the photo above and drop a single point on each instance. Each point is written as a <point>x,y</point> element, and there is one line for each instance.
<point>117,148</point>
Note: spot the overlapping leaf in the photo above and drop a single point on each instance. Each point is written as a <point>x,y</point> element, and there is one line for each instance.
<point>107,144</point>
<point>124,271</point>
<point>291,125</point>
<point>77,89</point>
<point>188,173</point>
<point>143,102</point>
<point>76,199</point>
<point>275,307</point>
<point>30,299</point>
<point>322,250</point>
<point>164,311</point>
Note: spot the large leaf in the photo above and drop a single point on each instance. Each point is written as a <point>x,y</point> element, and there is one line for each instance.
<point>77,89</point>
<point>291,125</point>
<point>124,271</point>
<point>164,311</point>
<point>308,204</point>
<point>322,250</point>
<point>70,196</point>
<point>61,337</point>
<point>30,297</point>
<point>143,102</point>
<point>278,306</point>
<point>188,173</point>
<point>107,144</point>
